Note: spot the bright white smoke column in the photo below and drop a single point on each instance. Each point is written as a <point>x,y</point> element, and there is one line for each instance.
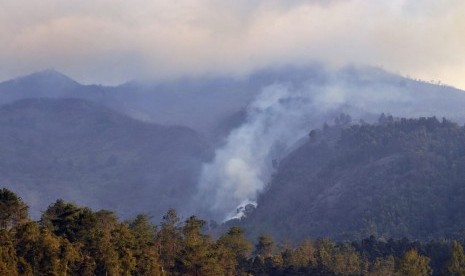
<point>281,115</point>
<point>278,118</point>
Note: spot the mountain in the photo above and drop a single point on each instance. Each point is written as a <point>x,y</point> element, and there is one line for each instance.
<point>393,179</point>
<point>212,104</point>
<point>83,152</point>
<point>269,110</point>
<point>49,84</point>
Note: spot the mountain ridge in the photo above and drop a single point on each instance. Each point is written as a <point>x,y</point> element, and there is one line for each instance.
<point>400,178</point>
<point>81,151</point>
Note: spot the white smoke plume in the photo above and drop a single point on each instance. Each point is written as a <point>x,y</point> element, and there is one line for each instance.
<point>282,114</point>
<point>278,118</point>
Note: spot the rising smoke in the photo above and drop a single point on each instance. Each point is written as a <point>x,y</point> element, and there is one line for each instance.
<point>277,119</point>
<point>283,114</point>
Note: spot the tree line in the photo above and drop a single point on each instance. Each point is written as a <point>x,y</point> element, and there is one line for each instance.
<point>399,177</point>
<point>73,240</point>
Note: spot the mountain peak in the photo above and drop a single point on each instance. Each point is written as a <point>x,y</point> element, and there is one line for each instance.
<point>49,76</point>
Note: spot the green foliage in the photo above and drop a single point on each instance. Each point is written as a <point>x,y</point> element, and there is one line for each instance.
<point>72,240</point>
<point>47,254</point>
<point>197,256</point>
<point>301,259</point>
<point>397,178</point>
<point>145,246</point>
<point>12,209</point>
<point>170,240</point>
<point>8,256</point>
<point>233,250</point>
<point>383,267</point>
<point>346,261</point>
<point>457,262</point>
<point>412,264</point>
<point>68,220</point>
<point>265,246</point>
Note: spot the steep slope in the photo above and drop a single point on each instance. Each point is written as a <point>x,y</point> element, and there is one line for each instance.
<point>50,84</point>
<point>399,178</point>
<point>83,152</point>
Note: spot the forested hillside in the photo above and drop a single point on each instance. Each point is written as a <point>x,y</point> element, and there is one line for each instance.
<point>80,151</point>
<point>397,178</point>
<point>73,240</point>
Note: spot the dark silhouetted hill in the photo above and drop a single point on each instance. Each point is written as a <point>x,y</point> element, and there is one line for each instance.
<point>397,178</point>
<point>83,152</point>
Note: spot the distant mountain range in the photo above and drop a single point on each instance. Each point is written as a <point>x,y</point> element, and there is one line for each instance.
<point>83,152</point>
<point>212,105</point>
<point>141,147</point>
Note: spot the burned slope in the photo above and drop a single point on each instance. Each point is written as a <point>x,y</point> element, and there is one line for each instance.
<point>83,152</point>
<point>398,178</point>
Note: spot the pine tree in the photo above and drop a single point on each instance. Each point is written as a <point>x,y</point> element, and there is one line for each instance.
<point>265,246</point>
<point>124,244</point>
<point>8,257</point>
<point>102,247</point>
<point>303,257</point>
<point>12,209</point>
<point>68,220</point>
<point>265,260</point>
<point>145,251</point>
<point>324,253</point>
<point>169,240</point>
<point>70,258</point>
<point>383,267</point>
<point>457,262</point>
<point>26,237</point>
<point>346,261</point>
<point>47,254</point>
<point>233,250</point>
<point>413,264</point>
<point>197,256</point>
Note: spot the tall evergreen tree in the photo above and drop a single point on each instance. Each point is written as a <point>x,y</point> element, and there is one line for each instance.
<point>413,264</point>
<point>146,250</point>
<point>456,265</point>
<point>47,254</point>
<point>102,246</point>
<point>265,246</point>
<point>197,256</point>
<point>8,256</point>
<point>169,239</point>
<point>25,238</point>
<point>12,209</point>
<point>233,250</point>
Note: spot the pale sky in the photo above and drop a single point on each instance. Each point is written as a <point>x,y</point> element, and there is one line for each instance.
<point>112,41</point>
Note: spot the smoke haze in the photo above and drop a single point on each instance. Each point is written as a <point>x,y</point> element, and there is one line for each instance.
<point>283,114</point>
<point>113,41</point>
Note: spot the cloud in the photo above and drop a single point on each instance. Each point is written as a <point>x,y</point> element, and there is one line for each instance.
<point>112,41</point>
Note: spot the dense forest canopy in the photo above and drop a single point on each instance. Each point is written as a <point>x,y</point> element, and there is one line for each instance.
<point>392,179</point>
<point>126,136</point>
<point>74,240</point>
<point>420,158</point>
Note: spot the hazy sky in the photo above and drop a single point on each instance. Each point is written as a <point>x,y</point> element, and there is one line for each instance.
<point>111,41</point>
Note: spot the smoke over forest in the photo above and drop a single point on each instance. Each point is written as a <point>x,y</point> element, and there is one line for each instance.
<point>283,114</point>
